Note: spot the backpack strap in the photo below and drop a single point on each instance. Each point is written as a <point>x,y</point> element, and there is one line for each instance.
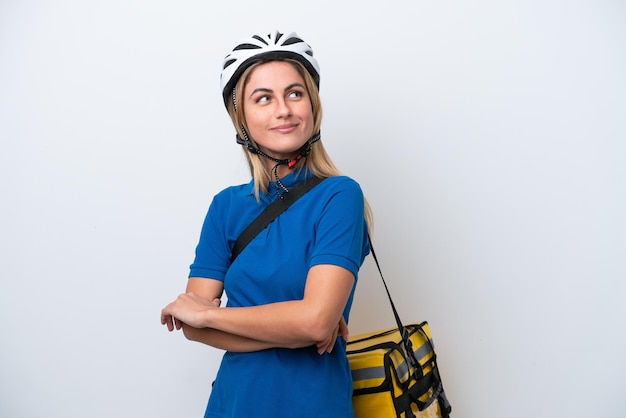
<point>434,378</point>
<point>272,212</point>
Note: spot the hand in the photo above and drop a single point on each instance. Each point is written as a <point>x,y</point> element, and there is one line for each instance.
<point>188,308</point>
<point>341,330</point>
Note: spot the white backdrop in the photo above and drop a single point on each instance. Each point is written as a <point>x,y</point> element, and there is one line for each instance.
<point>488,137</point>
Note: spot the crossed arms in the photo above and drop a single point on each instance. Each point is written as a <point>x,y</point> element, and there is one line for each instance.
<point>316,319</point>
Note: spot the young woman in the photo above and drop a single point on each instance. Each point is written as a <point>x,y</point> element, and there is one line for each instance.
<point>290,290</point>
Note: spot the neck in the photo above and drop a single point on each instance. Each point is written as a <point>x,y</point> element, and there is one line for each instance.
<point>281,170</point>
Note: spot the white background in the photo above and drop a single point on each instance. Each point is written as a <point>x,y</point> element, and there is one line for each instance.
<point>488,137</point>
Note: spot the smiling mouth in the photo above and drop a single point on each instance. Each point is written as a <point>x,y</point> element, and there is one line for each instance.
<point>284,128</point>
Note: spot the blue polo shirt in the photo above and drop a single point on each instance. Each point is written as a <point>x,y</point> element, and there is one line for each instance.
<point>325,226</point>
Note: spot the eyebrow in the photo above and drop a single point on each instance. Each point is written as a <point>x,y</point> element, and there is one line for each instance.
<point>266,90</point>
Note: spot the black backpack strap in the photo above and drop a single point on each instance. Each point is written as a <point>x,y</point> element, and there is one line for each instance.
<point>401,328</point>
<point>434,378</point>
<point>272,212</point>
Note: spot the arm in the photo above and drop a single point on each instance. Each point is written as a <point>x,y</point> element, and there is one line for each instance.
<point>203,291</point>
<point>292,324</point>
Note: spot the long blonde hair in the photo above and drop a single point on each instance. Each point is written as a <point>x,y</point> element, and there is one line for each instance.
<point>318,162</point>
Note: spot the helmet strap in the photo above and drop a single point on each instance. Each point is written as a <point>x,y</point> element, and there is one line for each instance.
<point>289,162</point>
<point>234,100</point>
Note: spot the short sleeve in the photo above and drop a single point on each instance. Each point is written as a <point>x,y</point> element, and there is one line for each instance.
<point>341,233</point>
<point>212,257</point>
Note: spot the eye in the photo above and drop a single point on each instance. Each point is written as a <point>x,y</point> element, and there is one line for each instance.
<point>262,99</point>
<point>295,94</point>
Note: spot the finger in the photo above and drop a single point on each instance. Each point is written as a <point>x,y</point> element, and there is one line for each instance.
<point>343,330</point>
<point>333,340</point>
<point>167,320</point>
<point>321,349</point>
<point>164,315</point>
<point>322,346</point>
<point>327,345</point>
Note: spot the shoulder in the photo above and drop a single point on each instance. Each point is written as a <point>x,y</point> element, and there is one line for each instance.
<point>338,192</point>
<point>234,203</point>
<point>236,190</point>
<point>342,185</point>
<point>233,194</point>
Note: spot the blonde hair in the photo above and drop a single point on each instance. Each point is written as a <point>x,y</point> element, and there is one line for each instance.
<point>318,162</point>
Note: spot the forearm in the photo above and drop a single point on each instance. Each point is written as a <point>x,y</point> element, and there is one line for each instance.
<point>223,340</point>
<point>294,323</point>
<point>312,320</point>
<point>290,324</point>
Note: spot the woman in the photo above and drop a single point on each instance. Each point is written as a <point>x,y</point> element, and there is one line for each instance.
<point>290,290</point>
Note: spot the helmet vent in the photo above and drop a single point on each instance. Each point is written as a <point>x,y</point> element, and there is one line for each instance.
<point>246,46</point>
<point>259,38</point>
<point>292,41</point>
<point>227,63</point>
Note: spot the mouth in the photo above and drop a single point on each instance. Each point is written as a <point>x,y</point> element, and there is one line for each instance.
<point>285,129</point>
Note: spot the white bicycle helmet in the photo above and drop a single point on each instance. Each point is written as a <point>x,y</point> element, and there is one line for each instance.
<point>275,45</point>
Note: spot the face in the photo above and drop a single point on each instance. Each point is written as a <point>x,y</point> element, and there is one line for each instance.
<point>277,109</point>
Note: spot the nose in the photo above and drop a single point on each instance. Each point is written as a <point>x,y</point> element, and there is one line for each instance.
<point>282,108</point>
